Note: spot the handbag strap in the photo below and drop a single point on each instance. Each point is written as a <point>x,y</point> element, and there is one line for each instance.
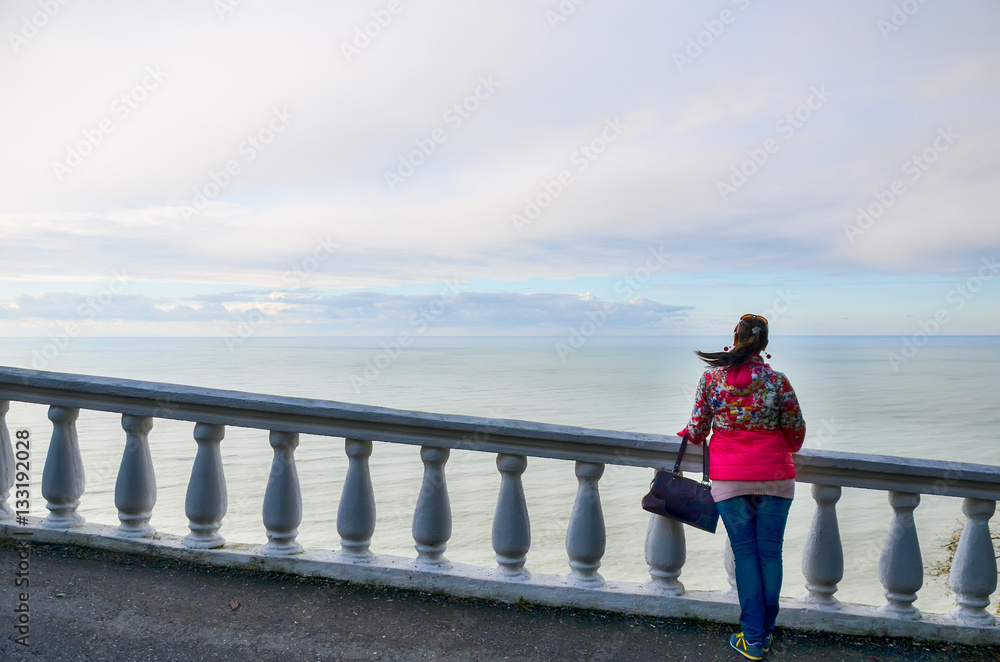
<point>704,459</point>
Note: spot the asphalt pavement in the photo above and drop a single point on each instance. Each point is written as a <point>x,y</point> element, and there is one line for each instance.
<point>85,605</point>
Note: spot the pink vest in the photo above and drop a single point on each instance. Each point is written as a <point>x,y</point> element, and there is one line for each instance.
<point>746,455</point>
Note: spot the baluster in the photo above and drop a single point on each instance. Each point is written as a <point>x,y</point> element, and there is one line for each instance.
<point>974,567</point>
<point>135,488</point>
<point>666,551</point>
<point>6,463</point>
<point>729,563</point>
<point>206,501</point>
<point>511,525</point>
<point>901,570</point>
<point>586,537</point>
<point>356,514</point>
<point>62,478</point>
<point>823,556</point>
<point>432,516</point>
<point>282,512</point>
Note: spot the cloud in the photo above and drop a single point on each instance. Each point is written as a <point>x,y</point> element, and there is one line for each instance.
<point>68,306</point>
<point>357,311</point>
<point>479,310</point>
<point>352,120</point>
<point>325,172</point>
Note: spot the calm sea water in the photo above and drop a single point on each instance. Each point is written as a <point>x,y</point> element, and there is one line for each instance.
<point>941,404</point>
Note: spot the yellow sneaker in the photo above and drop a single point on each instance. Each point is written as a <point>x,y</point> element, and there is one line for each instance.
<point>749,650</point>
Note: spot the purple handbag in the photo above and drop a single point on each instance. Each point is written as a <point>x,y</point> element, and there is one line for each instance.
<point>683,499</point>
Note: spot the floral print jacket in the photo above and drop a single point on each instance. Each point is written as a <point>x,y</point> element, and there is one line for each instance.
<point>756,419</point>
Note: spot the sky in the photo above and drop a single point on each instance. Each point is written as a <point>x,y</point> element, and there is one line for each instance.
<point>214,167</point>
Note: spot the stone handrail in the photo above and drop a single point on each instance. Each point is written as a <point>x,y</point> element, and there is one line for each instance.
<point>974,573</point>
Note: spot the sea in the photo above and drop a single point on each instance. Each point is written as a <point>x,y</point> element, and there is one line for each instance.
<point>873,395</point>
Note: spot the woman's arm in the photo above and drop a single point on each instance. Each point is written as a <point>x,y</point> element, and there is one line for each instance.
<point>701,416</point>
<point>793,426</point>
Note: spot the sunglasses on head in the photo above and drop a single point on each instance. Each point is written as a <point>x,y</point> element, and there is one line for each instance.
<point>749,315</point>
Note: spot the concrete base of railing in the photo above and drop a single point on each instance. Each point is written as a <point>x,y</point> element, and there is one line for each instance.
<point>475,582</point>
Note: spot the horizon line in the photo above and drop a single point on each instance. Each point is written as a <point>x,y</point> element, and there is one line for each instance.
<point>518,336</point>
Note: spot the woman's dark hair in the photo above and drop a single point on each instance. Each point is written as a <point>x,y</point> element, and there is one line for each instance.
<point>747,344</point>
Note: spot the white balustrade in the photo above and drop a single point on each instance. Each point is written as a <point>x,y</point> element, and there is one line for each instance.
<point>511,524</point>
<point>586,537</point>
<point>282,512</point>
<point>974,567</point>
<point>6,463</point>
<point>432,515</point>
<point>823,556</point>
<point>666,551</point>
<point>62,478</point>
<point>206,501</point>
<point>901,569</point>
<point>135,489</point>
<point>356,514</point>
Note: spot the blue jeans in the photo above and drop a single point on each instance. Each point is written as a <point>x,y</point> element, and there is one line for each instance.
<point>756,527</point>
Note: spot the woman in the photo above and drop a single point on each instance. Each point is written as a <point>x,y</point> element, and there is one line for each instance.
<point>757,425</point>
